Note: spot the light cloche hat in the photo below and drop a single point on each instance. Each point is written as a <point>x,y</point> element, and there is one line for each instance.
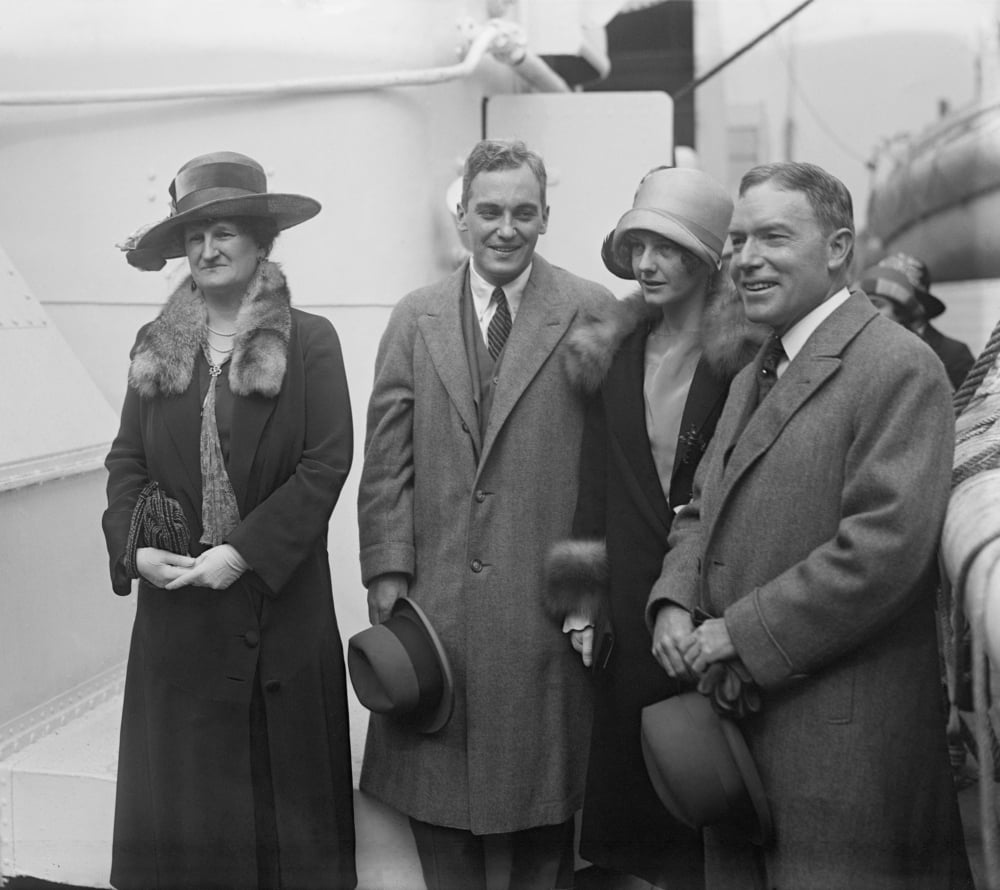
<point>682,204</point>
<point>212,186</point>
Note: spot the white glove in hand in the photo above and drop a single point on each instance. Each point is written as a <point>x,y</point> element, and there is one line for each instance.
<point>216,568</point>
<point>581,636</point>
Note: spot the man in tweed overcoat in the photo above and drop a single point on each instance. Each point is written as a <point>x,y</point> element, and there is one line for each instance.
<point>811,538</point>
<point>469,477</point>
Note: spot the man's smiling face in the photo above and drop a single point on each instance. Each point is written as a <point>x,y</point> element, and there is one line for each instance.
<point>504,218</point>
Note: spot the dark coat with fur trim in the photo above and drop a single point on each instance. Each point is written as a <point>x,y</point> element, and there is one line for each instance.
<point>185,813</point>
<point>620,534</point>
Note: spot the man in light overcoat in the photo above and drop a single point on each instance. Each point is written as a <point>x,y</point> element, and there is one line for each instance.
<point>811,540</point>
<point>474,431</point>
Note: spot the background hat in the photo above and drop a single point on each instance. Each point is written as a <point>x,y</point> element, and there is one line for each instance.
<point>399,668</point>
<point>220,184</point>
<point>919,276</point>
<point>886,281</point>
<point>701,768</point>
<point>680,203</point>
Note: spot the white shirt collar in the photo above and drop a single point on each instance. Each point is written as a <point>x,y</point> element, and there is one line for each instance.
<point>795,337</point>
<point>482,290</point>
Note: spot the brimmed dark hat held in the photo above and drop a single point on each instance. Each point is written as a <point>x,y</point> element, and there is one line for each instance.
<point>399,668</point>
<point>919,277</point>
<point>701,769</point>
<point>683,205</point>
<point>219,185</point>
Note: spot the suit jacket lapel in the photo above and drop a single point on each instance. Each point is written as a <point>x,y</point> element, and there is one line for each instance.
<point>542,319</point>
<point>819,360</point>
<point>445,340</point>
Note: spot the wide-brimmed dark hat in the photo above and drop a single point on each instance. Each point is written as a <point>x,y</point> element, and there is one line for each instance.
<point>919,276</point>
<point>399,668</point>
<point>700,767</point>
<point>213,186</point>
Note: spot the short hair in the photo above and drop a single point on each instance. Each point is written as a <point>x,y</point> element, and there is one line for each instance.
<point>263,229</point>
<point>827,196</point>
<point>501,154</point>
<point>689,259</point>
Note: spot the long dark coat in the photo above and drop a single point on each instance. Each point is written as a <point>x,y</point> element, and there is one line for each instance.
<point>470,519</point>
<point>185,806</point>
<point>814,533</point>
<point>954,354</point>
<point>621,503</point>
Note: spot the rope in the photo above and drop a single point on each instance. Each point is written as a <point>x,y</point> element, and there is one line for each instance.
<point>978,371</point>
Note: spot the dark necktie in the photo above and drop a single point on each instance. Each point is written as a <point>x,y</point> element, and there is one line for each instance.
<point>774,352</point>
<point>496,333</point>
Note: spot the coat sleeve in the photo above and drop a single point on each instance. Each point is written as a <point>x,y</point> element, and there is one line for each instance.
<point>279,533</point>
<point>127,475</point>
<point>897,471</point>
<point>385,494</point>
<point>589,517</point>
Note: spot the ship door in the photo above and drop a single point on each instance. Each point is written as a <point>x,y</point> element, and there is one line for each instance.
<point>596,147</point>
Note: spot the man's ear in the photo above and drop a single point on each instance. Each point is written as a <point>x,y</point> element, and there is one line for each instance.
<point>460,220</point>
<point>839,247</point>
<point>545,220</point>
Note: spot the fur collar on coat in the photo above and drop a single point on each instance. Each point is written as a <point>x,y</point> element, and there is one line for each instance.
<point>729,340</point>
<point>163,361</point>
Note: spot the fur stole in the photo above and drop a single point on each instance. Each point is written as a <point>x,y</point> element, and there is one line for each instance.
<point>163,360</point>
<point>729,339</point>
<point>576,580</point>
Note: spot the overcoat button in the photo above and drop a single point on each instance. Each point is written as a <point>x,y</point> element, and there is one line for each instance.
<point>496,381</point>
<point>477,565</point>
<point>251,638</point>
<point>465,427</point>
<point>480,496</point>
<point>272,685</point>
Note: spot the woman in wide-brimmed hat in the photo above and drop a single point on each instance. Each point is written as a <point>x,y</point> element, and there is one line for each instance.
<point>236,438</point>
<point>661,366</point>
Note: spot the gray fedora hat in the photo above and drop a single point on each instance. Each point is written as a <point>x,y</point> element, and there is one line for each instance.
<point>213,186</point>
<point>399,668</point>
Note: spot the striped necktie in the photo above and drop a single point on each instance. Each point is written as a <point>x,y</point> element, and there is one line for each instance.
<point>774,352</point>
<point>496,333</point>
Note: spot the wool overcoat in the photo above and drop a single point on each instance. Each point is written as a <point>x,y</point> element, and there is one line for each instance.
<point>814,533</point>
<point>623,518</point>
<point>185,804</point>
<point>470,520</point>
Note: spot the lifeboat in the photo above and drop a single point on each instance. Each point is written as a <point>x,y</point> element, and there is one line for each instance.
<point>936,195</point>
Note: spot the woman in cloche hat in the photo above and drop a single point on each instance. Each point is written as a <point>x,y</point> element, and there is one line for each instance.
<point>661,364</point>
<point>234,768</point>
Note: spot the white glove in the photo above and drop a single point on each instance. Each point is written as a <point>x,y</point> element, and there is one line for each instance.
<point>581,636</point>
<point>217,568</point>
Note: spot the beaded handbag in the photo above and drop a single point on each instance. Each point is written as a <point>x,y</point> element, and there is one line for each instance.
<point>157,521</point>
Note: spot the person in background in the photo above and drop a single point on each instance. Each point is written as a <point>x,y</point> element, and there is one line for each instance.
<point>899,286</point>
<point>469,477</point>
<point>814,552</point>
<point>236,438</point>
<point>660,361</point>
